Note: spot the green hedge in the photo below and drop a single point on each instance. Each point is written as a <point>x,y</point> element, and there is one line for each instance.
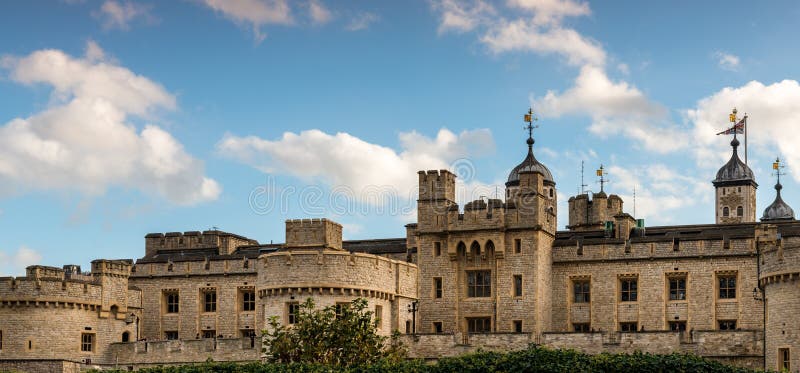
<point>534,359</point>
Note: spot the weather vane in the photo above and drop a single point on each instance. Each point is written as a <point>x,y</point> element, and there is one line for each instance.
<point>602,174</point>
<point>777,166</point>
<point>530,117</point>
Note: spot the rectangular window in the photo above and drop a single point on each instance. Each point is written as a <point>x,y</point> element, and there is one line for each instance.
<point>479,324</point>
<point>437,327</point>
<point>408,326</point>
<point>292,310</point>
<point>783,360</point>
<point>517,326</point>
<point>727,324</point>
<point>209,334</point>
<point>677,326</point>
<point>172,300</point>
<point>517,245</point>
<point>727,287</point>
<point>479,283</point>
<point>87,342</point>
<point>437,248</point>
<point>677,288</point>
<point>209,301</point>
<point>340,309</point>
<point>378,315</point>
<point>628,290</point>
<point>581,290</point>
<point>517,285</point>
<point>437,287</point>
<point>581,327</point>
<point>248,300</point>
<point>171,335</point>
<point>628,327</point>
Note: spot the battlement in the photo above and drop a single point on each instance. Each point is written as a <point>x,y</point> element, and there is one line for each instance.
<point>437,185</point>
<point>44,272</point>
<point>590,214</point>
<point>366,274</point>
<point>225,242</point>
<point>303,233</point>
<point>117,268</point>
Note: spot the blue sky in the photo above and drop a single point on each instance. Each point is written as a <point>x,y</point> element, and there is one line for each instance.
<point>121,118</point>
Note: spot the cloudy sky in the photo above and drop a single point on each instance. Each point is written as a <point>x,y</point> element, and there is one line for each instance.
<point>119,118</point>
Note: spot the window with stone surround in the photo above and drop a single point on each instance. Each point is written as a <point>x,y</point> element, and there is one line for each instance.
<point>437,327</point>
<point>479,283</point>
<point>437,287</point>
<point>784,360</point>
<point>727,324</point>
<point>437,248</point>
<point>378,315</point>
<point>517,326</point>
<point>172,301</point>
<point>727,286</point>
<point>628,327</point>
<point>292,310</point>
<point>677,287</point>
<point>171,335</point>
<point>726,211</point>
<point>208,334</point>
<point>340,308</point>
<point>629,289</point>
<point>209,300</point>
<point>479,324</point>
<point>517,245</point>
<point>581,327</point>
<point>677,326</point>
<point>248,299</point>
<point>581,291</point>
<point>87,342</point>
<point>739,211</point>
<point>517,285</point>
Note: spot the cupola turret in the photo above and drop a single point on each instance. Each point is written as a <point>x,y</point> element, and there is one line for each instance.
<point>735,184</point>
<point>778,210</point>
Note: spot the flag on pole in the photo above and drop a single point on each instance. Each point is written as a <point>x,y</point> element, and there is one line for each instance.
<point>737,128</point>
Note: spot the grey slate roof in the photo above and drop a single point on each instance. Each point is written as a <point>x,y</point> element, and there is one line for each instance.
<point>735,170</point>
<point>529,164</point>
<point>778,210</point>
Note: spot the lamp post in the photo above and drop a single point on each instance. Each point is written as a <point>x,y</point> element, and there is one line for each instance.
<point>413,308</point>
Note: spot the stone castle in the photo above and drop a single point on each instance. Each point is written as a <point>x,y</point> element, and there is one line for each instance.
<point>495,274</point>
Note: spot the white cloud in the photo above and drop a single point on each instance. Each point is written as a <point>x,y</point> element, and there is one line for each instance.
<point>624,68</point>
<point>84,140</point>
<point>772,121</point>
<point>615,108</point>
<point>524,35</point>
<point>362,21</point>
<point>14,263</point>
<point>346,160</point>
<point>319,13</point>
<point>256,13</point>
<point>727,61</point>
<point>537,30</point>
<point>660,191</point>
<point>114,14</point>
<point>551,11</point>
<point>460,16</point>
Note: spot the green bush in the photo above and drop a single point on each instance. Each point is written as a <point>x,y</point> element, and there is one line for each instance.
<point>533,359</point>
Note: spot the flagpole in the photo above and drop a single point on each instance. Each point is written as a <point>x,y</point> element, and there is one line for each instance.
<point>745,138</point>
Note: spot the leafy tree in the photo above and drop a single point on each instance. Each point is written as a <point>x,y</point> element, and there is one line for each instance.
<point>344,335</point>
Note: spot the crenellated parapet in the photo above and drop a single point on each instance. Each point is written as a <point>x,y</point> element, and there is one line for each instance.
<point>304,233</point>
<point>224,242</point>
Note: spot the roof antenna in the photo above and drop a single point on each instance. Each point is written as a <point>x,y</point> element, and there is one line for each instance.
<point>583,184</point>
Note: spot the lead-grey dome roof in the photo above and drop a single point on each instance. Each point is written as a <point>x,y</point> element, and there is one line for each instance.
<point>529,164</point>
<point>778,210</point>
<point>735,169</point>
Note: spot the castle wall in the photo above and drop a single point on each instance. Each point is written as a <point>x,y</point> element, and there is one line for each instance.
<point>330,277</point>
<point>190,279</point>
<point>178,352</point>
<point>780,278</point>
<point>652,264</point>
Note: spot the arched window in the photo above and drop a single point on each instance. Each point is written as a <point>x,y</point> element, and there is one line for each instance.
<point>489,248</point>
<point>739,211</point>
<point>126,337</point>
<point>461,249</point>
<point>475,251</point>
<point>551,192</point>
<point>725,211</point>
